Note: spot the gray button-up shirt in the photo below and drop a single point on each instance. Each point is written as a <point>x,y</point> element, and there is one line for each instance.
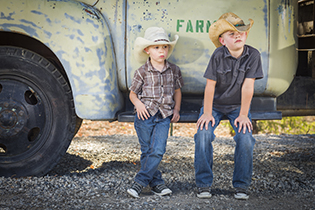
<point>230,73</point>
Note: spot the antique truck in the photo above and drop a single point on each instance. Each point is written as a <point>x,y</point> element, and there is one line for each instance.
<point>62,61</point>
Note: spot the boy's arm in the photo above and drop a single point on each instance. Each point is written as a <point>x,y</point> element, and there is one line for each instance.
<point>242,121</point>
<point>142,112</point>
<point>178,100</point>
<point>206,117</point>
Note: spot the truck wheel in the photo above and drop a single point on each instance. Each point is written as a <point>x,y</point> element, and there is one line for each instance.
<point>78,124</point>
<point>37,117</point>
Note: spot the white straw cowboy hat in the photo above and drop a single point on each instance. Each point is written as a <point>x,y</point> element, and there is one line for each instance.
<point>152,36</point>
<point>228,22</point>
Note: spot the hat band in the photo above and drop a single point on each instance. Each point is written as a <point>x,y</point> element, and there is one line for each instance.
<point>161,40</point>
<point>237,25</point>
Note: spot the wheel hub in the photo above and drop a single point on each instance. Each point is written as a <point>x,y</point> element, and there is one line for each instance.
<point>7,119</point>
<point>12,119</point>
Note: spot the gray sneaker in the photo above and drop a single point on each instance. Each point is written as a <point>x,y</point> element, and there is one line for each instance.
<point>161,189</point>
<point>241,194</point>
<point>204,192</point>
<point>135,190</point>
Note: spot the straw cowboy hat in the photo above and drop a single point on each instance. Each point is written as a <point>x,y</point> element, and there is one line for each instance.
<point>152,36</point>
<point>227,22</point>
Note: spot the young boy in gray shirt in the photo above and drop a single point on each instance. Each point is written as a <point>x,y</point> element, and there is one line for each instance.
<point>230,75</point>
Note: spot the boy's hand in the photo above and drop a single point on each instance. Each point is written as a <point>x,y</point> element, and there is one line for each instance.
<point>243,122</point>
<point>142,112</point>
<point>204,120</point>
<point>176,116</point>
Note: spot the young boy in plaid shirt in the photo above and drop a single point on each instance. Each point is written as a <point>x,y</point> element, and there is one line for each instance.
<point>156,94</point>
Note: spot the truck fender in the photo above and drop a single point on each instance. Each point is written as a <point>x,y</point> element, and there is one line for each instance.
<point>80,38</point>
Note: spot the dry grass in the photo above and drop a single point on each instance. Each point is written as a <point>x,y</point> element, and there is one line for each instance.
<point>101,128</point>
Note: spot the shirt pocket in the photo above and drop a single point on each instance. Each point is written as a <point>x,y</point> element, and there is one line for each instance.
<point>240,76</point>
<point>150,86</point>
<point>224,76</point>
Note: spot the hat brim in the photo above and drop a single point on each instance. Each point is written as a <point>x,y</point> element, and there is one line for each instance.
<point>221,26</point>
<point>140,44</point>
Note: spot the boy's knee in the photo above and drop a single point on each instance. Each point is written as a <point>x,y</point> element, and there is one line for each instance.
<point>246,139</point>
<point>204,136</point>
<point>158,152</point>
<point>205,131</point>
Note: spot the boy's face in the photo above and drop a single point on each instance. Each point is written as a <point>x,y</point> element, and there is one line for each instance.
<point>157,53</point>
<point>233,40</point>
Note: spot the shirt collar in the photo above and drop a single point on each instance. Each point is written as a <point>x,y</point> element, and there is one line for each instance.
<point>151,68</point>
<point>228,54</point>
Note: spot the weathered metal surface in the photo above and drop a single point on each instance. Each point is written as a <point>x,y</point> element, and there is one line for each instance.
<point>89,2</point>
<point>81,40</point>
<point>114,13</point>
<point>191,20</point>
<point>283,44</point>
<point>95,44</point>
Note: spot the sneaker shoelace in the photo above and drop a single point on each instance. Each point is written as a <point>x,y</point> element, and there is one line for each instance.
<point>137,187</point>
<point>161,187</point>
<point>240,190</point>
<point>203,189</point>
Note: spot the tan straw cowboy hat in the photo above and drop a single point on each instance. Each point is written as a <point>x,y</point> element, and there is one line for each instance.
<point>152,36</point>
<point>227,22</point>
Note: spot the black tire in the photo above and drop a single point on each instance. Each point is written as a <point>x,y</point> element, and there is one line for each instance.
<point>37,116</point>
<point>78,123</point>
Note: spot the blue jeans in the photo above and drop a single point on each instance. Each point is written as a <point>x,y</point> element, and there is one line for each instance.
<point>243,155</point>
<point>152,134</point>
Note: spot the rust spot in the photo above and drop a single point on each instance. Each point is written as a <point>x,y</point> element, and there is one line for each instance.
<point>88,11</point>
<point>91,13</point>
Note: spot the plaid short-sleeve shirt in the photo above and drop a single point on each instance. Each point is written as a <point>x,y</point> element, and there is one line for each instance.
<point>156,89</point>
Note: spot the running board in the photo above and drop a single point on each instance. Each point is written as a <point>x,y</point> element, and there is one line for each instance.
<point>192,117</point>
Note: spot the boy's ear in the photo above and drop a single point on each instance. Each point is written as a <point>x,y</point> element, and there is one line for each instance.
<point>146,50</point>
<point>221,40</point>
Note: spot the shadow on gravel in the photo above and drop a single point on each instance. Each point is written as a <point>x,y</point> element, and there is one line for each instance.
<point>189,186</point>
<point>81,165</point>
<point>73,162</point>
<point>216,191</point>
<point>120,166</point>
<point>305,155</point>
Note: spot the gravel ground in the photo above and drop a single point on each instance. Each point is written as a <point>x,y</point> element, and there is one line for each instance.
<point>96,171</point>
